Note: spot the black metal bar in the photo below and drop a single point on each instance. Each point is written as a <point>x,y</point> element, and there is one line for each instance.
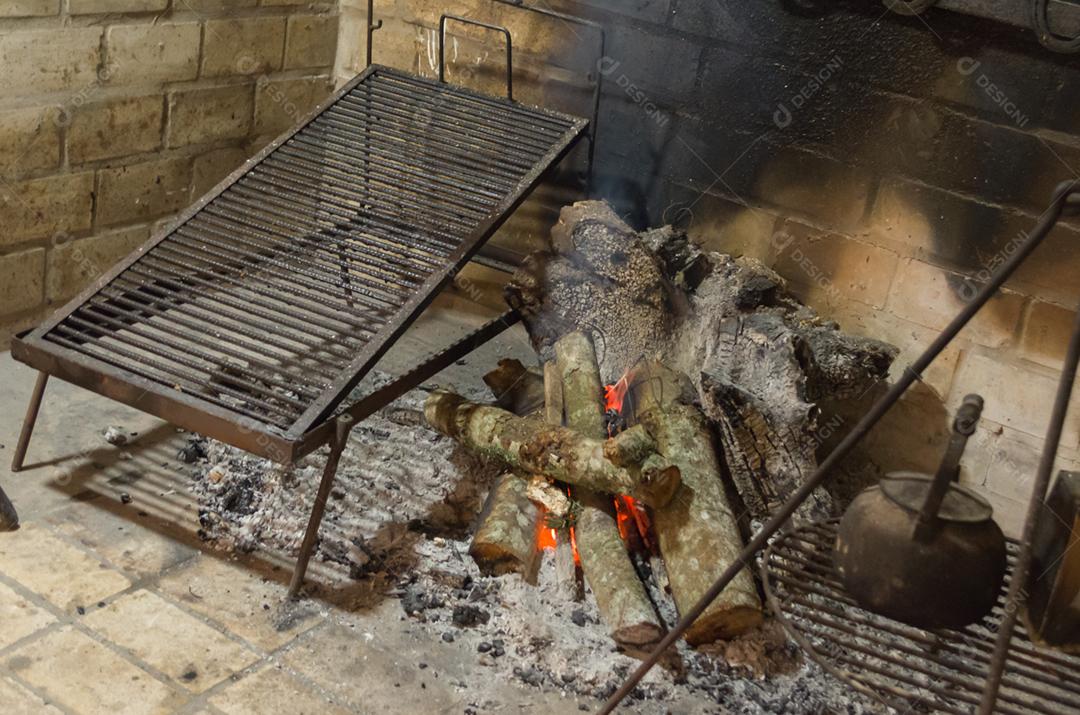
<point>74,337</point>
<point>458,152</point>
<point>333,145</point>
<point>877,411</point>
<point>487,128</point>
<point>366,406</point>
<point>288,294</point>
<point>118,381</point>
<point>485,25</point>
<point>320,333</point>
<point>329,165</point>
<point>271,237</point>
<point>29,421</point>
<point>152,370</point>
<point>372,26</point>
<point>408,312</point>
<point>342,427</point>
<point>255,342</point>
<point>473,101</point>
<point>186,342</point>
<point>1018,586</point>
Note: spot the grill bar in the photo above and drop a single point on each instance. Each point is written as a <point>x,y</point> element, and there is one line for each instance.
<point>255,314</point>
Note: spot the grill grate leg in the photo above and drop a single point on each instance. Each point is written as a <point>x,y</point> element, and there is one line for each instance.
<point>28,422</point>
<point>343,426</point>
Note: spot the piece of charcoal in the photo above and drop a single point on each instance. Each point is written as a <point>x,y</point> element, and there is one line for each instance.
<point>530,675</point>
<point>414,601</point>
<point>466,616</point>
<point>191,452</point>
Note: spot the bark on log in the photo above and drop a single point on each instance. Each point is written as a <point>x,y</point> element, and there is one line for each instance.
<point>555,452</point>
<point>698,534</point>
<point>553,395</point>
<point>505,539</point>
<point>631,446</point>
<point>624,605</point>
<point>506,534</point>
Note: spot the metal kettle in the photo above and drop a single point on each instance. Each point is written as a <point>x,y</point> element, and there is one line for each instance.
<point>924,550</point>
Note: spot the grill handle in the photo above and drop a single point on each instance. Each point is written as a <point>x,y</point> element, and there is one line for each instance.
<point>487,26</point>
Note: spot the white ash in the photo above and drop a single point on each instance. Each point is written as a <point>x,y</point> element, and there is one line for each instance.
<point>399,519</point>
<point>116,436</point>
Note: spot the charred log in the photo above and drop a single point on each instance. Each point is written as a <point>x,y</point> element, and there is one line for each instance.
<point>762,363</point>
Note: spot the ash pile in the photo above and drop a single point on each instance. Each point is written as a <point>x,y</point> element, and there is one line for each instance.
<point>400,520</point>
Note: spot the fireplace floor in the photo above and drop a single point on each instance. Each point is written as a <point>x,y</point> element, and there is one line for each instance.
<point>112,602</point>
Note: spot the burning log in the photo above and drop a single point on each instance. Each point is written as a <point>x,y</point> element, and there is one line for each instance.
<point>624,605</point>
<point>698,533</point>
<point>555,452</point>
<point>567,575</point>
<point>505,540</point>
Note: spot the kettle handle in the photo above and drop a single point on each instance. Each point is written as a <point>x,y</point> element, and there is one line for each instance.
<point>964,423</point>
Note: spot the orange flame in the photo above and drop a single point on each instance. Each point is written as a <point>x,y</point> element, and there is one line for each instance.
<point>573,546</point>
<point>628,512</point>
<point>547,539</point>
<point>615,394</point>
<point>623,517</point>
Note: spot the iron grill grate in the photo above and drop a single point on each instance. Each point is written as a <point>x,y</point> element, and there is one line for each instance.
<point>270,300</point>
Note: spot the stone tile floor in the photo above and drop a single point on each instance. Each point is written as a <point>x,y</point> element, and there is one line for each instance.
<point>107,607</point>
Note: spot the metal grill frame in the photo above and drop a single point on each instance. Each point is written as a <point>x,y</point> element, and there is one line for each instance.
<point>312,429</point>
<point>901,666</point>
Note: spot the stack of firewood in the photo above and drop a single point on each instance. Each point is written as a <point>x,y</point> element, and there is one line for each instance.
<point>705,341</point>
<point>563,469</point>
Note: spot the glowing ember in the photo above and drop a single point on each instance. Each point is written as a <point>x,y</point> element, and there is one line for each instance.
<point>547,539</point>
<point>631,515</point>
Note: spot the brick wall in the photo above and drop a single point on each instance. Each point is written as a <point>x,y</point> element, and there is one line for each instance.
<point>882,164</point>
<point>116,114</point>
